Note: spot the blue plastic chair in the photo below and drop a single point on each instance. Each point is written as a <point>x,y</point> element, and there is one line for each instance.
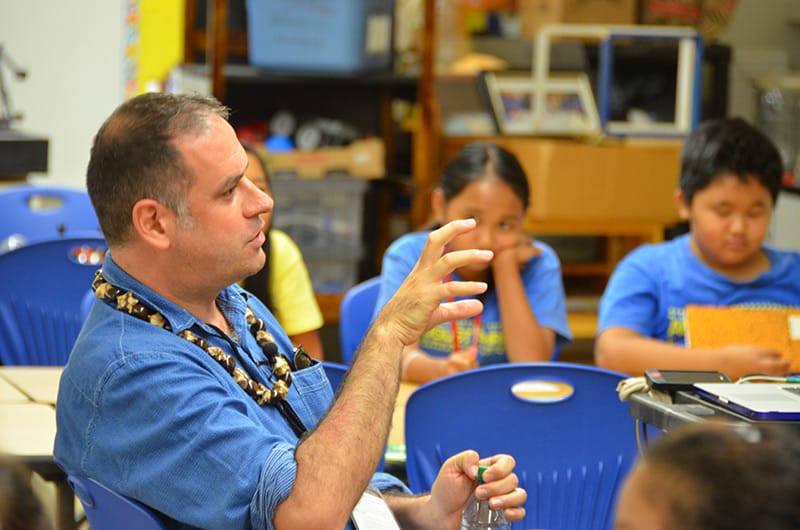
<point>108,510</point>
<point>45,212</point>
<point>42,285</point>
<point>355,315</point>
<point>87,302</point>
<point>336,373</point>
<point>573,445</point>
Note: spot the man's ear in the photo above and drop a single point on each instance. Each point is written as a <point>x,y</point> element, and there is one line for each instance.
<point>683,206</point>
<point>153,222</point>
<point>438,204</point>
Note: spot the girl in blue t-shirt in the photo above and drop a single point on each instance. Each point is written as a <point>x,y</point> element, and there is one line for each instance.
<point>524,317</point>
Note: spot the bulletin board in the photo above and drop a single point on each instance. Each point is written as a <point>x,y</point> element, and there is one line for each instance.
<point>153,43</point>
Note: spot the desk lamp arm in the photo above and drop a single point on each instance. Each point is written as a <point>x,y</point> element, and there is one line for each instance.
<point>6,114</point>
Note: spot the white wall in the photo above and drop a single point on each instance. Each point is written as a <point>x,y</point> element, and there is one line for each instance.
<point>73,52</point>
<point>761,24</point>
<point>783,231</point>
<point>765,37</point>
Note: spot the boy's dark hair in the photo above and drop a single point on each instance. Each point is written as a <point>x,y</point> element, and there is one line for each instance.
<point>729,145</point>
<point>716,476</point>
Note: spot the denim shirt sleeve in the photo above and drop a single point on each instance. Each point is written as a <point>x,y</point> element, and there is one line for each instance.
<point>150,416</point>
<point>282,466</point>
<point>387,482</point>
<point>267,499</point>
<point>280,470</point>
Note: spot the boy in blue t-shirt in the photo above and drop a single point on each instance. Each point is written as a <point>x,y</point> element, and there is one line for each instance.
<point>729,183</point>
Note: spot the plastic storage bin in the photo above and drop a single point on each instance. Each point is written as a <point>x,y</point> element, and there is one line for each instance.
<point>333,273</point>
<point>325,219</point>
<point>320,215</point>
<point>320,35</point>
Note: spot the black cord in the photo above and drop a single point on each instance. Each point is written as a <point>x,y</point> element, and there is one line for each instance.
<point>283,407</point>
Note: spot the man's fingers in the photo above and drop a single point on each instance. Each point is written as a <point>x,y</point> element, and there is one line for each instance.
<point>502,463</point>
<point>456,289</point>
<point>434,273</point>
<point>460,258</point>
<point>444,264</point>
<point>439,238</point>
<point>455,311</point>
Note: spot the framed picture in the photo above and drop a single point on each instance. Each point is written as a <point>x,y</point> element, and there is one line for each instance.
<point>566,104</point>
<point>640,116</point>
<point>463,108</point>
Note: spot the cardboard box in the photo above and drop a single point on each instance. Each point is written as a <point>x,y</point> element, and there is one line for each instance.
<point>534,13</point>
<point>631,180</point>
<point>708,17</point>
<point>363,159</point>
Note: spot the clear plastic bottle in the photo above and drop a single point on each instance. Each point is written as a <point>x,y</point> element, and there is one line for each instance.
<point>777,117</point>
<point>479,516</point>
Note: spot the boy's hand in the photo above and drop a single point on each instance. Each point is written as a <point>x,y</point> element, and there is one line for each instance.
<point>742,359</point>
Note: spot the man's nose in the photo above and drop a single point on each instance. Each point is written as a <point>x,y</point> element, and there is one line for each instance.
<point>266,203</point>
<point>259,202</point>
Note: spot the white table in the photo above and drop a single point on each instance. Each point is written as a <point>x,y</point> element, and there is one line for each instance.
<point>39,383</point>
<point>28,429</point>
<point>397,434</point>
<point>11,394</point>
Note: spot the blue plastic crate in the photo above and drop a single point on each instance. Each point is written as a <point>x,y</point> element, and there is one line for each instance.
<point>320,35</point>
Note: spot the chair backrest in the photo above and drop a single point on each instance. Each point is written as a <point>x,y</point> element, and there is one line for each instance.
<point>573,444</point>
<point>42,285</point>
<point>35,212</point>
<point>355,315</point>
<point>108,510</point>
<point>336,373</point>
<point>87,301</point>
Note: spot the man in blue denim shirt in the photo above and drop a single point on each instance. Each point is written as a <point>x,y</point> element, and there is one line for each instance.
<point>174,393</point>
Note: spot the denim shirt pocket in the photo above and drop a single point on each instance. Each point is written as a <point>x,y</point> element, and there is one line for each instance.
<point>315,393</point>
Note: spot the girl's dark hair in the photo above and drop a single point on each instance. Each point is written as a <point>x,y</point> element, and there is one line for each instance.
<point>475,161</point>
<point>723,477</point>
<point>258,283</point>
<point>729,145</point>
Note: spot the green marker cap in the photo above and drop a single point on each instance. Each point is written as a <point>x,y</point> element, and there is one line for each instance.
<point>481,469</point>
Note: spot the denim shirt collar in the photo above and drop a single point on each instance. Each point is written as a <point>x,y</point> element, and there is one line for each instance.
<point>232,301</point>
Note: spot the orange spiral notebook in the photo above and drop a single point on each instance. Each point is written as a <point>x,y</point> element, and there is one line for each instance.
<point>715,327</point>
